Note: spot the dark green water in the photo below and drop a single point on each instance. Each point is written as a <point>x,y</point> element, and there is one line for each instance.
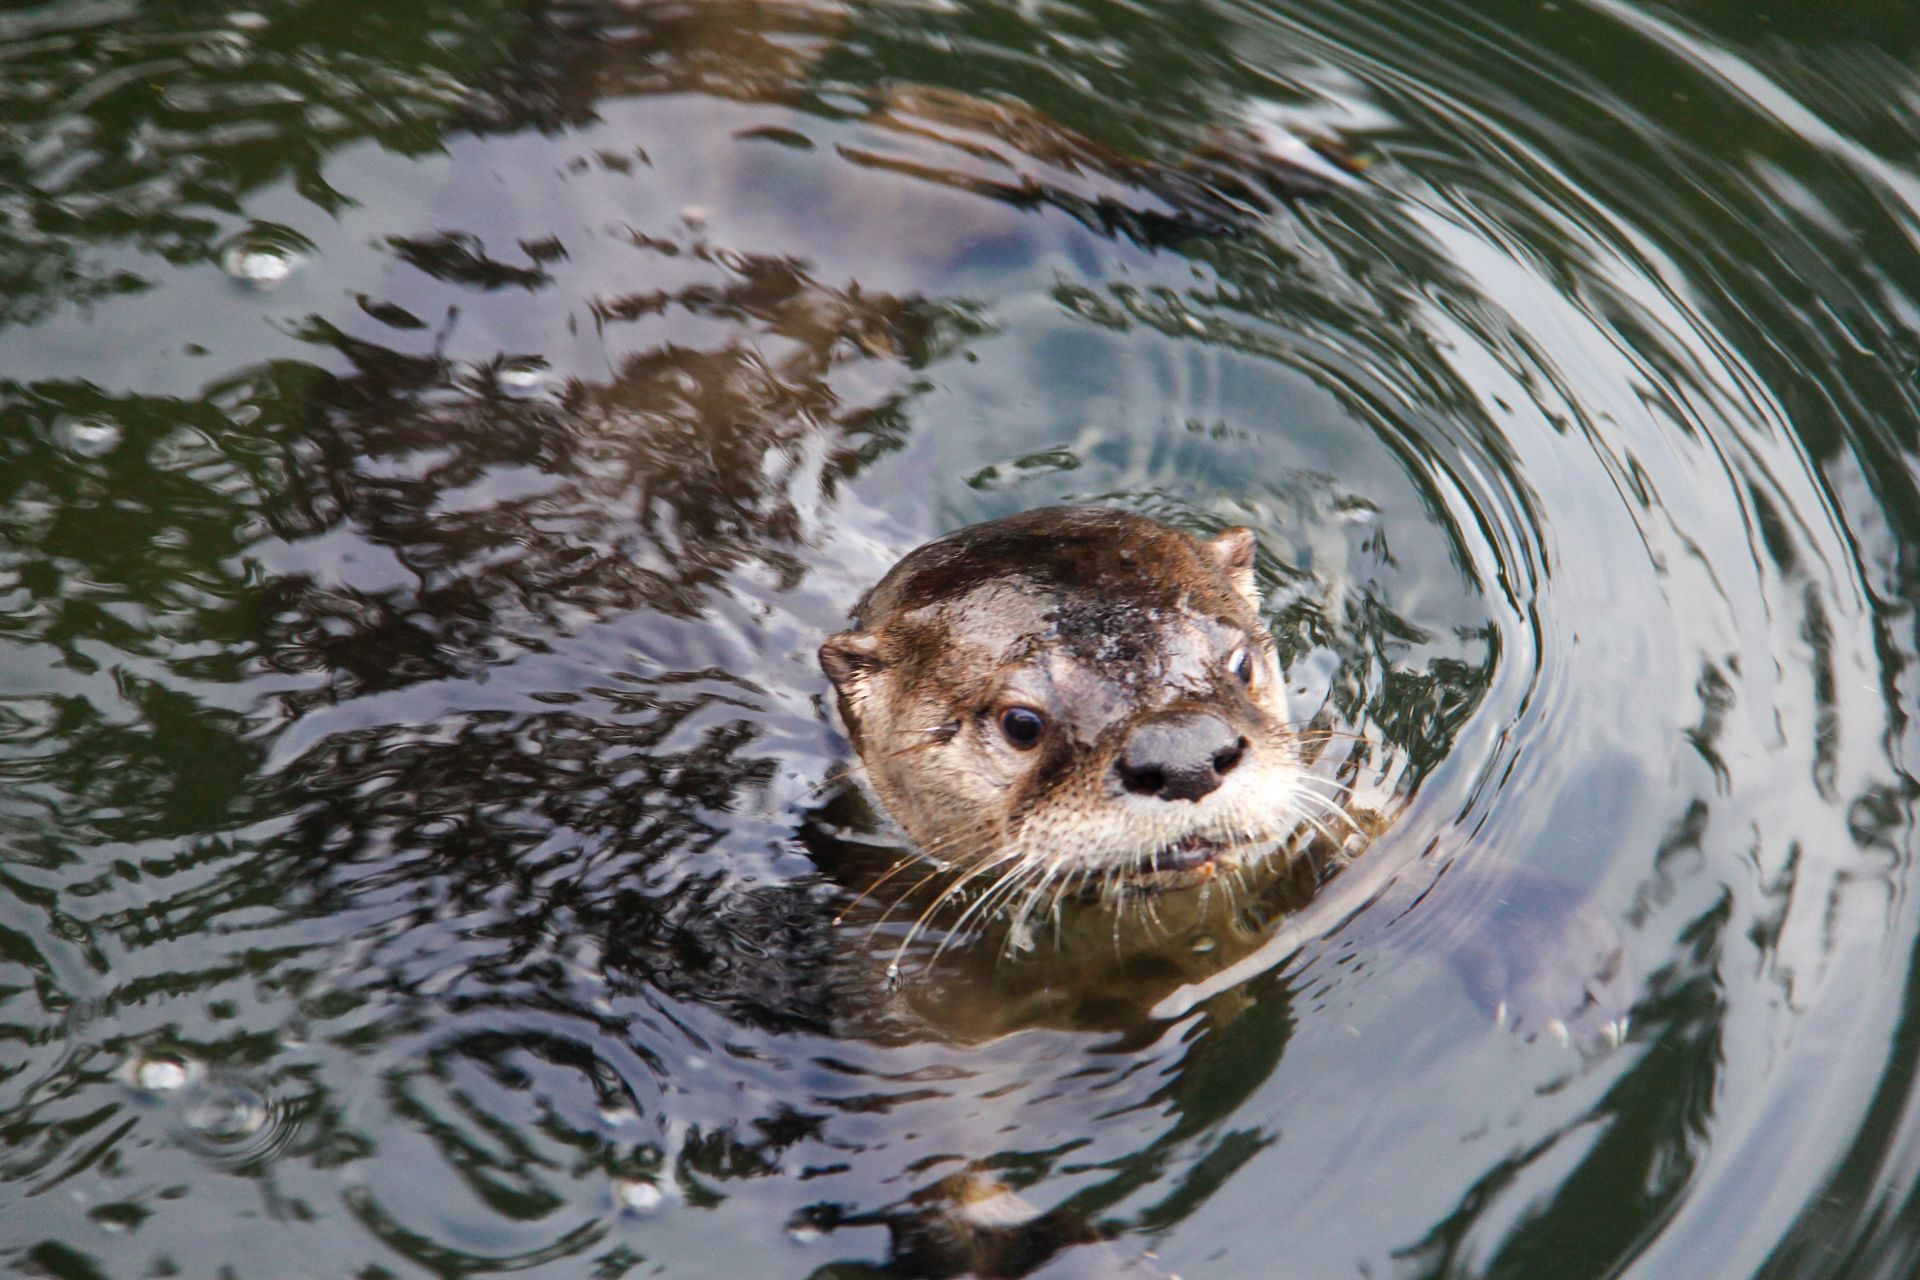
<point>434,438</point>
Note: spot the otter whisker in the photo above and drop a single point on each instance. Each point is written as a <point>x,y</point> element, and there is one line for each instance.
<point>1019,929</point>
<point>998,895</point>
<point>938,869</point>
<point>1333,810</point>
<point>1325,789</point>
<point>905,896</point>
<point>1326,832</point>
<point>958,887</point>
<point>1062,880</point>
<point>949,892</point>
<point>1054,910</point>
<point>906,860</point>
<point>913,933</point>
<point>1155,922</point>
<point>967,835</point>
<point>1042,889</point>
<point>1308,730</point>
<point>1149,908</point>
<point>1066,881</point>
<point>1041,880</point>
<point>1334,784</point>
<point>1227,880</point>
<point>929,854</point>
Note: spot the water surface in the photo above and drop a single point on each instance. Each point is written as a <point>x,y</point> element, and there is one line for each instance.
<point>433,441</point>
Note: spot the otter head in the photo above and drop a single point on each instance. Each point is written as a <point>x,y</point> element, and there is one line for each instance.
<point>1074,699</point>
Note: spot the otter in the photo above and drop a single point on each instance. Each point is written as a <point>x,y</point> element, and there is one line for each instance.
<point>1077,712</point>
<point>1077,700</point>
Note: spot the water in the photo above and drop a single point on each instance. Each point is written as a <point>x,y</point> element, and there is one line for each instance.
<point>434,444</point>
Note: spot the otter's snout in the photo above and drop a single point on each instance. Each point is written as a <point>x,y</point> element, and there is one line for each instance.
<point>1181,756</point>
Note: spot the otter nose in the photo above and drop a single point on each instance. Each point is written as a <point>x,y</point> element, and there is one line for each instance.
<point>1179,757</point>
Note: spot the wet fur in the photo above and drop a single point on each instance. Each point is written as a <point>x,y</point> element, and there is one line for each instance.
<point>1102,619</point>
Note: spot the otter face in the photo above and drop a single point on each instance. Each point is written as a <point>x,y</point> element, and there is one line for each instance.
<point>1074,700</point>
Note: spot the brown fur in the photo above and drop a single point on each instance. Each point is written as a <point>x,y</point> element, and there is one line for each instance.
<point>1099,619</point>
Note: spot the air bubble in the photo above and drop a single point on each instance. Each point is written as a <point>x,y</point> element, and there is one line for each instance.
<point>119,1218</point>
<point>523,377</point>
<point>161,1073</point>
<point>227,1114</point>
<point>265,255</point>
<point>261,268</point>
<point>88,437</point>
<point>638,1196</point>
<point>232,1123</point>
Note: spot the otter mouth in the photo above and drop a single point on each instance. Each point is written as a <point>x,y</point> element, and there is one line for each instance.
<point>1188,860</point>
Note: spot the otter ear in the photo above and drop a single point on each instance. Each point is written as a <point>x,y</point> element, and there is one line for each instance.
<point>850,657</point>
<point>1232,554</point>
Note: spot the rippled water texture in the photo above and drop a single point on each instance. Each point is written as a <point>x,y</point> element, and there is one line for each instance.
<point>434,438</point>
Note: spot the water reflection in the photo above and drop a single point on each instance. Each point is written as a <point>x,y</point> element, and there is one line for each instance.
<point>410,729</point>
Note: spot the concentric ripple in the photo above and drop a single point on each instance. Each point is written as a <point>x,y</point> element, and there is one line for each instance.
<point>432,446</point>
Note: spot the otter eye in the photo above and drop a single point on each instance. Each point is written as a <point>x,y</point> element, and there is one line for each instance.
<point>1022,727</point>
<point>1241,665</point>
